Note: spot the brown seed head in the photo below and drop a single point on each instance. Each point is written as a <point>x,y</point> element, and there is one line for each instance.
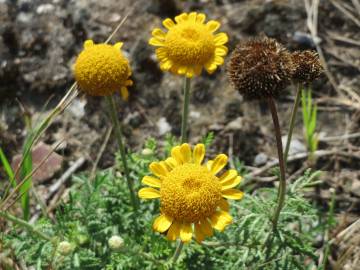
<point>307,66</point>
<point>260,68</point>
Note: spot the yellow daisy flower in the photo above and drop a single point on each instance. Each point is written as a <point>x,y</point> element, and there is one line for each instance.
<point>189,45</point>
<point>101,69</point>
<point>192,196</point>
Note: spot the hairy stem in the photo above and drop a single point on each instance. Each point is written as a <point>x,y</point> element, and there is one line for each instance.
<point>22,223</point>
<point>178,251</point>
<point>185,112</point>
<point>282,186</point>
<point>292,121</point>
<point>112,107</point>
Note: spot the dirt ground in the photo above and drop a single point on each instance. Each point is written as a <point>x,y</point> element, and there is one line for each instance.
<point>39,41</point>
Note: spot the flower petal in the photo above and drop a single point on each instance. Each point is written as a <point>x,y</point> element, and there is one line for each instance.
<point>218,60</point>
<point>186,232</point>
<point>88,43</point>
<point>174,231</point>
<point>232,194</point>
<point>219,162</point>
<point>168,23</point>
<point>199,235</point>
<point>206,227</point>
<point>149,193</point>
<point>221,50</point>
<point>197,70</point>
<point>228,175</point>
<point>158,33</point>
<point>209,164</point>
<point>124,93</point>
<point>171,162</point>
<point>220,220</point>
<point>221,39</point>
<point>176,154</point>
<point>181,18</point>
<point>156,42</point>
<point>158,169</point>
<point>166,65</point>
<point>200,18</point>
<point>199,153</point>
<point>185,151</point>
<point>162,223</point>
<point>190,72</point>
<point>231,183</point>
<point>118,45</point>
<point>151,181</point>
<point>213,25</point>
<point>224,205</point>
<point>210,67</point>
<point>192,16</point>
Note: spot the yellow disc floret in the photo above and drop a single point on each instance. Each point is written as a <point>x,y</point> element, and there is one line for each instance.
<point>101,70</point>
<point>190,192</point>
<point>192,195</point>
<point>190,45</point>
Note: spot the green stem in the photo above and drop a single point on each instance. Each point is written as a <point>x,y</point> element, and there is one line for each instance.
<point>185,112</point>
<point>178,251</point>
<point>292,122</point>
<point>119,136</point>
<point>282,186</point>
<point>24,224</point>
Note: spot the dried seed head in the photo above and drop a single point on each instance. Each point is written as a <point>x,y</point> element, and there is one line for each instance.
<point>307,66</point>
<point>260,68</point>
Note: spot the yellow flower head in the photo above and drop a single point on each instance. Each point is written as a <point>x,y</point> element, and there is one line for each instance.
<point>192,196</point>
<point>190,45</point>
<point>102,69</point>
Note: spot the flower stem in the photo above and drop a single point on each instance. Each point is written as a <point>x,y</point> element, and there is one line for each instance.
<point>282,186</point>
<point>185,112</point>
<point>25,224</point>
<point>119,137</point>
<point>178,251</point>
<point>292,121</point>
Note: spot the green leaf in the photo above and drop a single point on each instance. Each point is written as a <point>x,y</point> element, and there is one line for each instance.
<point>9,171</point>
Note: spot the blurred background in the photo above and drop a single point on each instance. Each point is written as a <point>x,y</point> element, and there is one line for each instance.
<point>39,42</point>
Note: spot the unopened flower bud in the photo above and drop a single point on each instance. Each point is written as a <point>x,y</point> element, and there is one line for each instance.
<point>115,242</point>
<point>65,248</point>
<point>147,152</point>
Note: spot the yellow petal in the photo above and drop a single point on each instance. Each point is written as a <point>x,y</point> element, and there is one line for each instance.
<point>186,232</point>
<point>210,67</point>
<point>192,16</point>
<point>158,169</point>
<point>220,220</point>
<point>174,231</point>
<point>185,151</point>
<point>218,60</point>
<point>197,70</point>
<point>151,181</point>
<point>224,205</point>
<point>228,175</point>
<point>124,93</point>
<point>166,65</point>
<point>118,45</point>
<point>209,164</point>
<point>182,70</point>
<point>199,235</point>
<point>232,194</point>
<point>199,153</point>
<point>158,33</point>
<point>129,83</point>
<point>221,39</point>
<point>161,53</point>
<point>156,42</point>
<point>176,154</point>
<point>213,26</point>
<point>171,162</point>
<point>181,18</point>
<point>206,227</point>
<point>149,193</point>
<point>221,50</point>
<point>200,18</point>
<point>88,43</point>
<point>231,183</point>
<point>190,72</point>
<point>168,23</point>
<point>219,162</point>
<point>162,223</point>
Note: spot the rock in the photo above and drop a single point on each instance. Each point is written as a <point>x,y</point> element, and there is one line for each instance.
<point>163,126</point>
<point>295,146</point>
<point>236,124</point>
<point>232,110</point>
<point>260,159</point>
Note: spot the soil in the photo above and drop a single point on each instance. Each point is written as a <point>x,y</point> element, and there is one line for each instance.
<point>39,41</point>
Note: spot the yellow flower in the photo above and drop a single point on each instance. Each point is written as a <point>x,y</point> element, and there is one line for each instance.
<point>189,45</point>
<point>192,195</point>
<point>102,69</point>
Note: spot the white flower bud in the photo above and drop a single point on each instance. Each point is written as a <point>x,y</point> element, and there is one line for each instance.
<point>147,152</point>
<point>116,242</point>
<point>65,248</point>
